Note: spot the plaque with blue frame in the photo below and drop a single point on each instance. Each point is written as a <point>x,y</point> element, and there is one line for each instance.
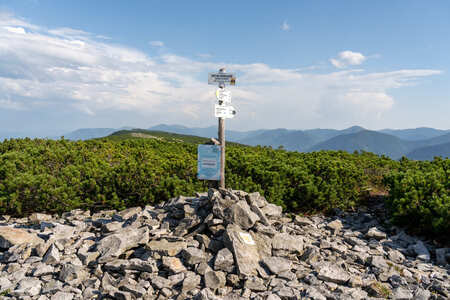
<point>208,162</point>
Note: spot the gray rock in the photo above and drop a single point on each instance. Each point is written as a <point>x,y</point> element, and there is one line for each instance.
<point>121,295</point>
<point>28,287</point>
<point>129,212</point>
<point>134,289</point>
<point>335,226</point>
<point>42,248</point>
<point>396,256</point>
<point>13,236</point>
<point>136,264</point>
<point>277,265</point>
<point>441,255</point>
<point>272,211</point>
<point>333,273</point>
<point>375,233</point>
<point>51,286</point>
<point>117,265</point>
<point>244,249</point>
<point>401,293</point>
<point>114,245</point>
<point>112,226</point>
<point>421,251</point>
<point>285,241</point>
<point>176,278</point>
<point>87,256</point>
<point>260,214</point>
<point>38,217</point>
<point>302,221</point>
<point>61,231</point>
<point>287,292</point>
<point>256,199</point>
<point>378,262</point>
<point>193,256</point>
<point>224,260</point>
<point>357,294</point>
<point>422,294</point>
<point>62,296</point>
<point>215,280</point>
<point>42,269</point>
<point>241,215</point>
<point>273,297</point>
<point>190,282</point>
<point>174,264</point>
<point>202,268</point>
<point>91,293</point>
<point>311,255</point>
<point>72,274</point>
<point>264,244</point>
<point>313,293</point>
<point>160,282</point>
<point>255,284</point>
<point>163,247</point>
<point>52,255</point>
<point>5,283</point>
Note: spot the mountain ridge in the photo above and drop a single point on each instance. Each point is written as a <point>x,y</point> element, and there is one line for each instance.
<point>355,138</point>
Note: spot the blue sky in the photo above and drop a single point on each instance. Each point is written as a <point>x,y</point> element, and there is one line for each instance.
<point>300,64</point>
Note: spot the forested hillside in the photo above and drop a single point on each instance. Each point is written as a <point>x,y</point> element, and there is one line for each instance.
<point>56,176</point>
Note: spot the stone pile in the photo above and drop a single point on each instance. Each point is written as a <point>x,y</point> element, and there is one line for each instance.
<point>221,245</point>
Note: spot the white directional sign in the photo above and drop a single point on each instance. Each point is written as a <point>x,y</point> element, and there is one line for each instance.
<point>215,78</point>
<point>224,111</point>
<point>223,95</point>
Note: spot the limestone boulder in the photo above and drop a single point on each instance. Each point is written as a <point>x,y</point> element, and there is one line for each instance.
<point>10,236</point>
<point>244,249</point>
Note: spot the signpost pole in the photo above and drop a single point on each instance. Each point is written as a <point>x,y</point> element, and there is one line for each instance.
<point>222,152</point>
<point>222,111</point>
<point>222,142</point>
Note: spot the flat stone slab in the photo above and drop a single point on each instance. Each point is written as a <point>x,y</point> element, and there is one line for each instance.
<point>244,249</point>
<point>10,236</point>
<point>165,247</point>
<point>333,273</point>
<point>277,265</point>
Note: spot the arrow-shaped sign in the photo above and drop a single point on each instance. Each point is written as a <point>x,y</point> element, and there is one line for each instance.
<point>224,111</point>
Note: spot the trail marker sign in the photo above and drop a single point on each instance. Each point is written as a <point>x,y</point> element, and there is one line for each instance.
<point>223,95</point>
<point>224,111</point>
<point>221,78</point>
<point>208,162</point>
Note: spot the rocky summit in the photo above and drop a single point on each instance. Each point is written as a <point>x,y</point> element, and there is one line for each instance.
<point>223,244</point>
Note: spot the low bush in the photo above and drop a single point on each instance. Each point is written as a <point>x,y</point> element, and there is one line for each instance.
<point>419,196</point>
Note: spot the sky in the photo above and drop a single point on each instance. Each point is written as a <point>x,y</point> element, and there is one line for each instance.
<point>299,64</point>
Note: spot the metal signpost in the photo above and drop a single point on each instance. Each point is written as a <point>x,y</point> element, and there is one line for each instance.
<point>223,111</point>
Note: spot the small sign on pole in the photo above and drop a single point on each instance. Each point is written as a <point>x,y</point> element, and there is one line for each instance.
<point>208,162</point>
<point>223,95</point>
<point>224,111</point>
<point>221,78</point>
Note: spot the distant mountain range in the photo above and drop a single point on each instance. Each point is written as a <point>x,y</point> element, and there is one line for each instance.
<point>419,143</point>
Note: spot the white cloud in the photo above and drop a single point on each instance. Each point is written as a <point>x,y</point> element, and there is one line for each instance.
<point>285,26</point>
<point>72,68</point>
<point>348,58</point>
<point>156,43</point>
<point>18,30</point>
